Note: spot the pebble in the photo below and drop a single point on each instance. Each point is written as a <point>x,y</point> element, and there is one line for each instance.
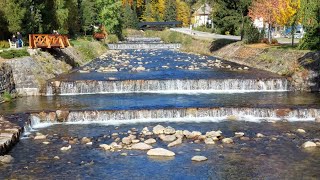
<point>199,158</point>
<point>105,146</point>
<point>259,135</point>
<point>198,150</point>
<point>46,142</point>
<point>65,148</point>
<point>56,157</point>
<point>239,134</point>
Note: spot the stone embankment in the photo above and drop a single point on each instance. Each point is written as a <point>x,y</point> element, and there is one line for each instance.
<point>301,67</point>
<point>9,135</point>
<point>6,79</point>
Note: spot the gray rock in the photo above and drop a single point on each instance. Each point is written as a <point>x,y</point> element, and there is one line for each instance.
<point>169,130</point>
<point>209,141</point>
<point>158,129</point>
<point>199,158</point>
<point>227,141</point>
<point>160,152</point>
<point>141,146</point>
<point>175,143</point>
<point>6,159</point>
<point>150,141</point>
<point>309,144</point>
<point>167,138</point>
<point>105,147</point>
<point>126,140</point>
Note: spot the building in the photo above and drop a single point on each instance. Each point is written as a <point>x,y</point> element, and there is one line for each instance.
<point>202,16</point>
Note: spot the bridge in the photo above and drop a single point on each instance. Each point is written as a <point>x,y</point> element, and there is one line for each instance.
<point>48,41</point>
<point>158,25</point>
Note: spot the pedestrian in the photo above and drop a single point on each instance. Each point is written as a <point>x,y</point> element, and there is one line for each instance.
<point>14,39</point>
<point>20,42</point>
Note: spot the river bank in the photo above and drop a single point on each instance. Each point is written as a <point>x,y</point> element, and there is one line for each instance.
<point>301,67</point>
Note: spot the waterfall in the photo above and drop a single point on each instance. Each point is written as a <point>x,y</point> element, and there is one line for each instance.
<point>168,86</point>
<point>185,114</point>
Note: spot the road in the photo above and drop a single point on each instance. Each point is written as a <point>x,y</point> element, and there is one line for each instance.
<point>209,36</point>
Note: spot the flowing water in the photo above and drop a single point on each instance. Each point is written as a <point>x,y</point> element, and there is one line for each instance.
<point>141,88</point>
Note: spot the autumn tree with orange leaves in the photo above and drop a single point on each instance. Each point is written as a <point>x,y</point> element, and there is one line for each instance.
<point>265,9</point>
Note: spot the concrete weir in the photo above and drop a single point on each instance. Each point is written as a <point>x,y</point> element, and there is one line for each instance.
<point>176,114</point>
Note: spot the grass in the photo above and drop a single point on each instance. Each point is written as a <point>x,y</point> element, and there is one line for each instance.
<point>7,97</point>
<point>88,47</point>
<point>14,53</point>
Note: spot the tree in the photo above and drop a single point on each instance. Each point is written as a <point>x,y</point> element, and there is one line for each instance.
<point>130,19</point>
<point>61,16</point>
<point>170,12</point>
<point>14,12</point>
<point>310,18</point>
<point>264,9</point>
<point>183,12</point>
<point>109,15</point>
<point>148,13</point>
<point>73,17</point>
<point>89,15</point>
<point>230,15</point>
<point>287,14</point>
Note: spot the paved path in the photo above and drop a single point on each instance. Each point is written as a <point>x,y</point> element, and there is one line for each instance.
<point>204,34</point>
<point>209,36</point>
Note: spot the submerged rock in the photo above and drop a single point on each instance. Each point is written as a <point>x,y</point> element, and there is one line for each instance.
<point>199,158</point>
<point>160,152</point>
<point>85,140</point>
<point>309,144</point>
<point>141,146</point>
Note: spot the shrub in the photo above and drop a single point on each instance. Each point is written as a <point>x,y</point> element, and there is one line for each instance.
<point>175,37</point>
<point>251,35</point>
<point>14,53</point>
<point>4,44</point>
<point>274,41</point>
<point>6,96</point>
<point>311,39</point>
<point>112,38</point>
<point>203,29</point>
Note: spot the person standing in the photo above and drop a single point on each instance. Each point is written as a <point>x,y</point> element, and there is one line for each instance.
<point>20,42</point>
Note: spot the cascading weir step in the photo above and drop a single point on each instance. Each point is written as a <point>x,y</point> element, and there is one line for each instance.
<point>167,86</point>
<point>181,114</point>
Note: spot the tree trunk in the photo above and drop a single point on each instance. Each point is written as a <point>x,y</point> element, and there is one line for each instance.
<point>242,28</point>
<point>293,29</point>
<point>269,33</point>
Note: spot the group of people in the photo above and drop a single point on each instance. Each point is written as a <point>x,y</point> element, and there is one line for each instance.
<point>17,39</point>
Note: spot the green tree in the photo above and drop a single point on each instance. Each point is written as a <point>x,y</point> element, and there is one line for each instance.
<point>230,16</point>
<point>61,16</point>
<point>73,17</point>
<point>148,14</point>
<point>14,14</point>
<point>130,19</point>
<point>109,15</point>
<point>310,18</point>
<point>170,13</point>
<point>89,14</point>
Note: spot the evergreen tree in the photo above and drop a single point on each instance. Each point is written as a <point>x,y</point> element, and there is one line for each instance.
<point>14,14</point>
<point>73,17</point>
<point>171,11</point>
<point>130,19</point>
<point>89,14</point>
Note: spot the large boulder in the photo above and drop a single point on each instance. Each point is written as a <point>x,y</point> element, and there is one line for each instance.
<point>167,138</point>
<point>160,152</point>
<point>6,159</point>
